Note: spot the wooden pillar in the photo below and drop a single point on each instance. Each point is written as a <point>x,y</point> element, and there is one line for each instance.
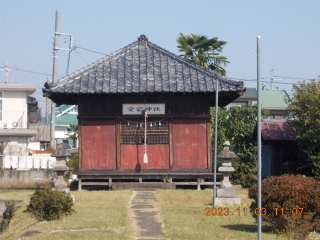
<point>80,144</point>
<point>198,184</point>
<point>170,179</point>
<point>118,145</point>
<point>209,144</point>
<point>79,184</point>
<point>110,183</point>
<point>140,180</point>
<point>170,145</point>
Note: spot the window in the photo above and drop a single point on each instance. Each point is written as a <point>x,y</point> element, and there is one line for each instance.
<point>133,133</point>
<point>0,106</point>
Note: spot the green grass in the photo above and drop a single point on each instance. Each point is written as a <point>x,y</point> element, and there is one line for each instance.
<point>93,210</point>
<point>183,214</point>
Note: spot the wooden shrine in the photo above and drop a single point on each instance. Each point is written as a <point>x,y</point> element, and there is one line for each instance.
<point>112,94</point>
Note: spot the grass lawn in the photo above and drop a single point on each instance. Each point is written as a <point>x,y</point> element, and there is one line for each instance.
<point>183,213</point>
<point>94,210</point>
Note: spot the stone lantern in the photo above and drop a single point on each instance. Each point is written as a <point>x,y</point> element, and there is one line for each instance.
<point>62,156</point>
<point>226,193</point>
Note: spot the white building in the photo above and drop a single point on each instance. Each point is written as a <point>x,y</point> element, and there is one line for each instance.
<point>14,124</point>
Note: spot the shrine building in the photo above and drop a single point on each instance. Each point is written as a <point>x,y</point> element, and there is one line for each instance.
<point>112,94</point>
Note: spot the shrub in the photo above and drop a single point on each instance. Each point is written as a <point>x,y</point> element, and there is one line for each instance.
<point>48,204</point>
<point>7,215</point>
<point>287,193</point>
<point>73,163</point>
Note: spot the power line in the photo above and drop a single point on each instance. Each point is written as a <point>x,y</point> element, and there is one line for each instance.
<point>252,80</point>
<point>70,62</point>
<point>81,57</point>
<point>23,70</point>
<point>297,78</point>
<point>92,51</point>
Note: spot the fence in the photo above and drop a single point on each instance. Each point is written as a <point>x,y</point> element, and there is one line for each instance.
<point>28,162</point>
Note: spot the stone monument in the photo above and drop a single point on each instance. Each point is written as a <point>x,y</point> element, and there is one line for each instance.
<point>226,193</point>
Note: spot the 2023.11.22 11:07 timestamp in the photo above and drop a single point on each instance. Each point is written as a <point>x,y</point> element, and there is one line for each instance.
<point>257,211</point>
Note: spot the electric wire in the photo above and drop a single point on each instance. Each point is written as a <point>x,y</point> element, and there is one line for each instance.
<point>23,70</point>
<point>92,51</point>
<point>81,57</point>
<point>70,62</point>
<point>253,80</point>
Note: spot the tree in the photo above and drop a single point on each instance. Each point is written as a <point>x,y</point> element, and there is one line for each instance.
<point>237,125</point>
<point>73,132</point>
<point>222,126</point>
<point>203,51</point>
<point>240,128</point>
<point>304,117</point>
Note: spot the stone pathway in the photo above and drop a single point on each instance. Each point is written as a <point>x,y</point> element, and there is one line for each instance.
<point>143,205</point>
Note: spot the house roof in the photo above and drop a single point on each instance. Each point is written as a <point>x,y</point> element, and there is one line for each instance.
<point>32,104</point>
<point>141,67</point>
<point>273,99</point>
<point>250,93</point>
<point>35,116</point>
<point>63,120</point>
<point>277,130</point>
<point>30,89</point>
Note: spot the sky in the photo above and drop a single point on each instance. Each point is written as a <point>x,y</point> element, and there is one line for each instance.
<point>289,30</point>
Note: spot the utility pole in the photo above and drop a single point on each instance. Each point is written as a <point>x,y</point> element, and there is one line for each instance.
<point>7,72</point>
<point>54,79</point>
<point>259,136</point>
<point>215,147</point>
<point>47,107</point>
<point>271,79</point>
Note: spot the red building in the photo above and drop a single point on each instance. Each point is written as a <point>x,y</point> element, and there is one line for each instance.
<point>112,92</point>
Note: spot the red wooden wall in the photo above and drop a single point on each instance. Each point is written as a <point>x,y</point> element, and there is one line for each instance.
<point>132,157</point>
<point>98,144</point>
<point>189,144</point>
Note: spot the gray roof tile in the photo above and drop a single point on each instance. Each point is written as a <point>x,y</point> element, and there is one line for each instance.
<point>142,67</point>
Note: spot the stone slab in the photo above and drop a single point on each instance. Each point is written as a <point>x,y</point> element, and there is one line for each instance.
<point>148,223</point>
<point>226,192</point>
<point>84,231</point>
<point>139,206</point>
<point>31,233</point>
<point>227,201</point>
<point>142,186</point>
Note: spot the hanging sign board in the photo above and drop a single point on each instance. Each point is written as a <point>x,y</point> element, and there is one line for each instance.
<point>137,108</point>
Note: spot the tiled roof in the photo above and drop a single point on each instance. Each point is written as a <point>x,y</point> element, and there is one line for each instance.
<point>276,130</point>
<point>142,67</point>
<point>60,153</point>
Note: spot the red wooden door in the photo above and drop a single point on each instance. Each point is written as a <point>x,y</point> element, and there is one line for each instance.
<point>98,144</point>
<point>189,144</point>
